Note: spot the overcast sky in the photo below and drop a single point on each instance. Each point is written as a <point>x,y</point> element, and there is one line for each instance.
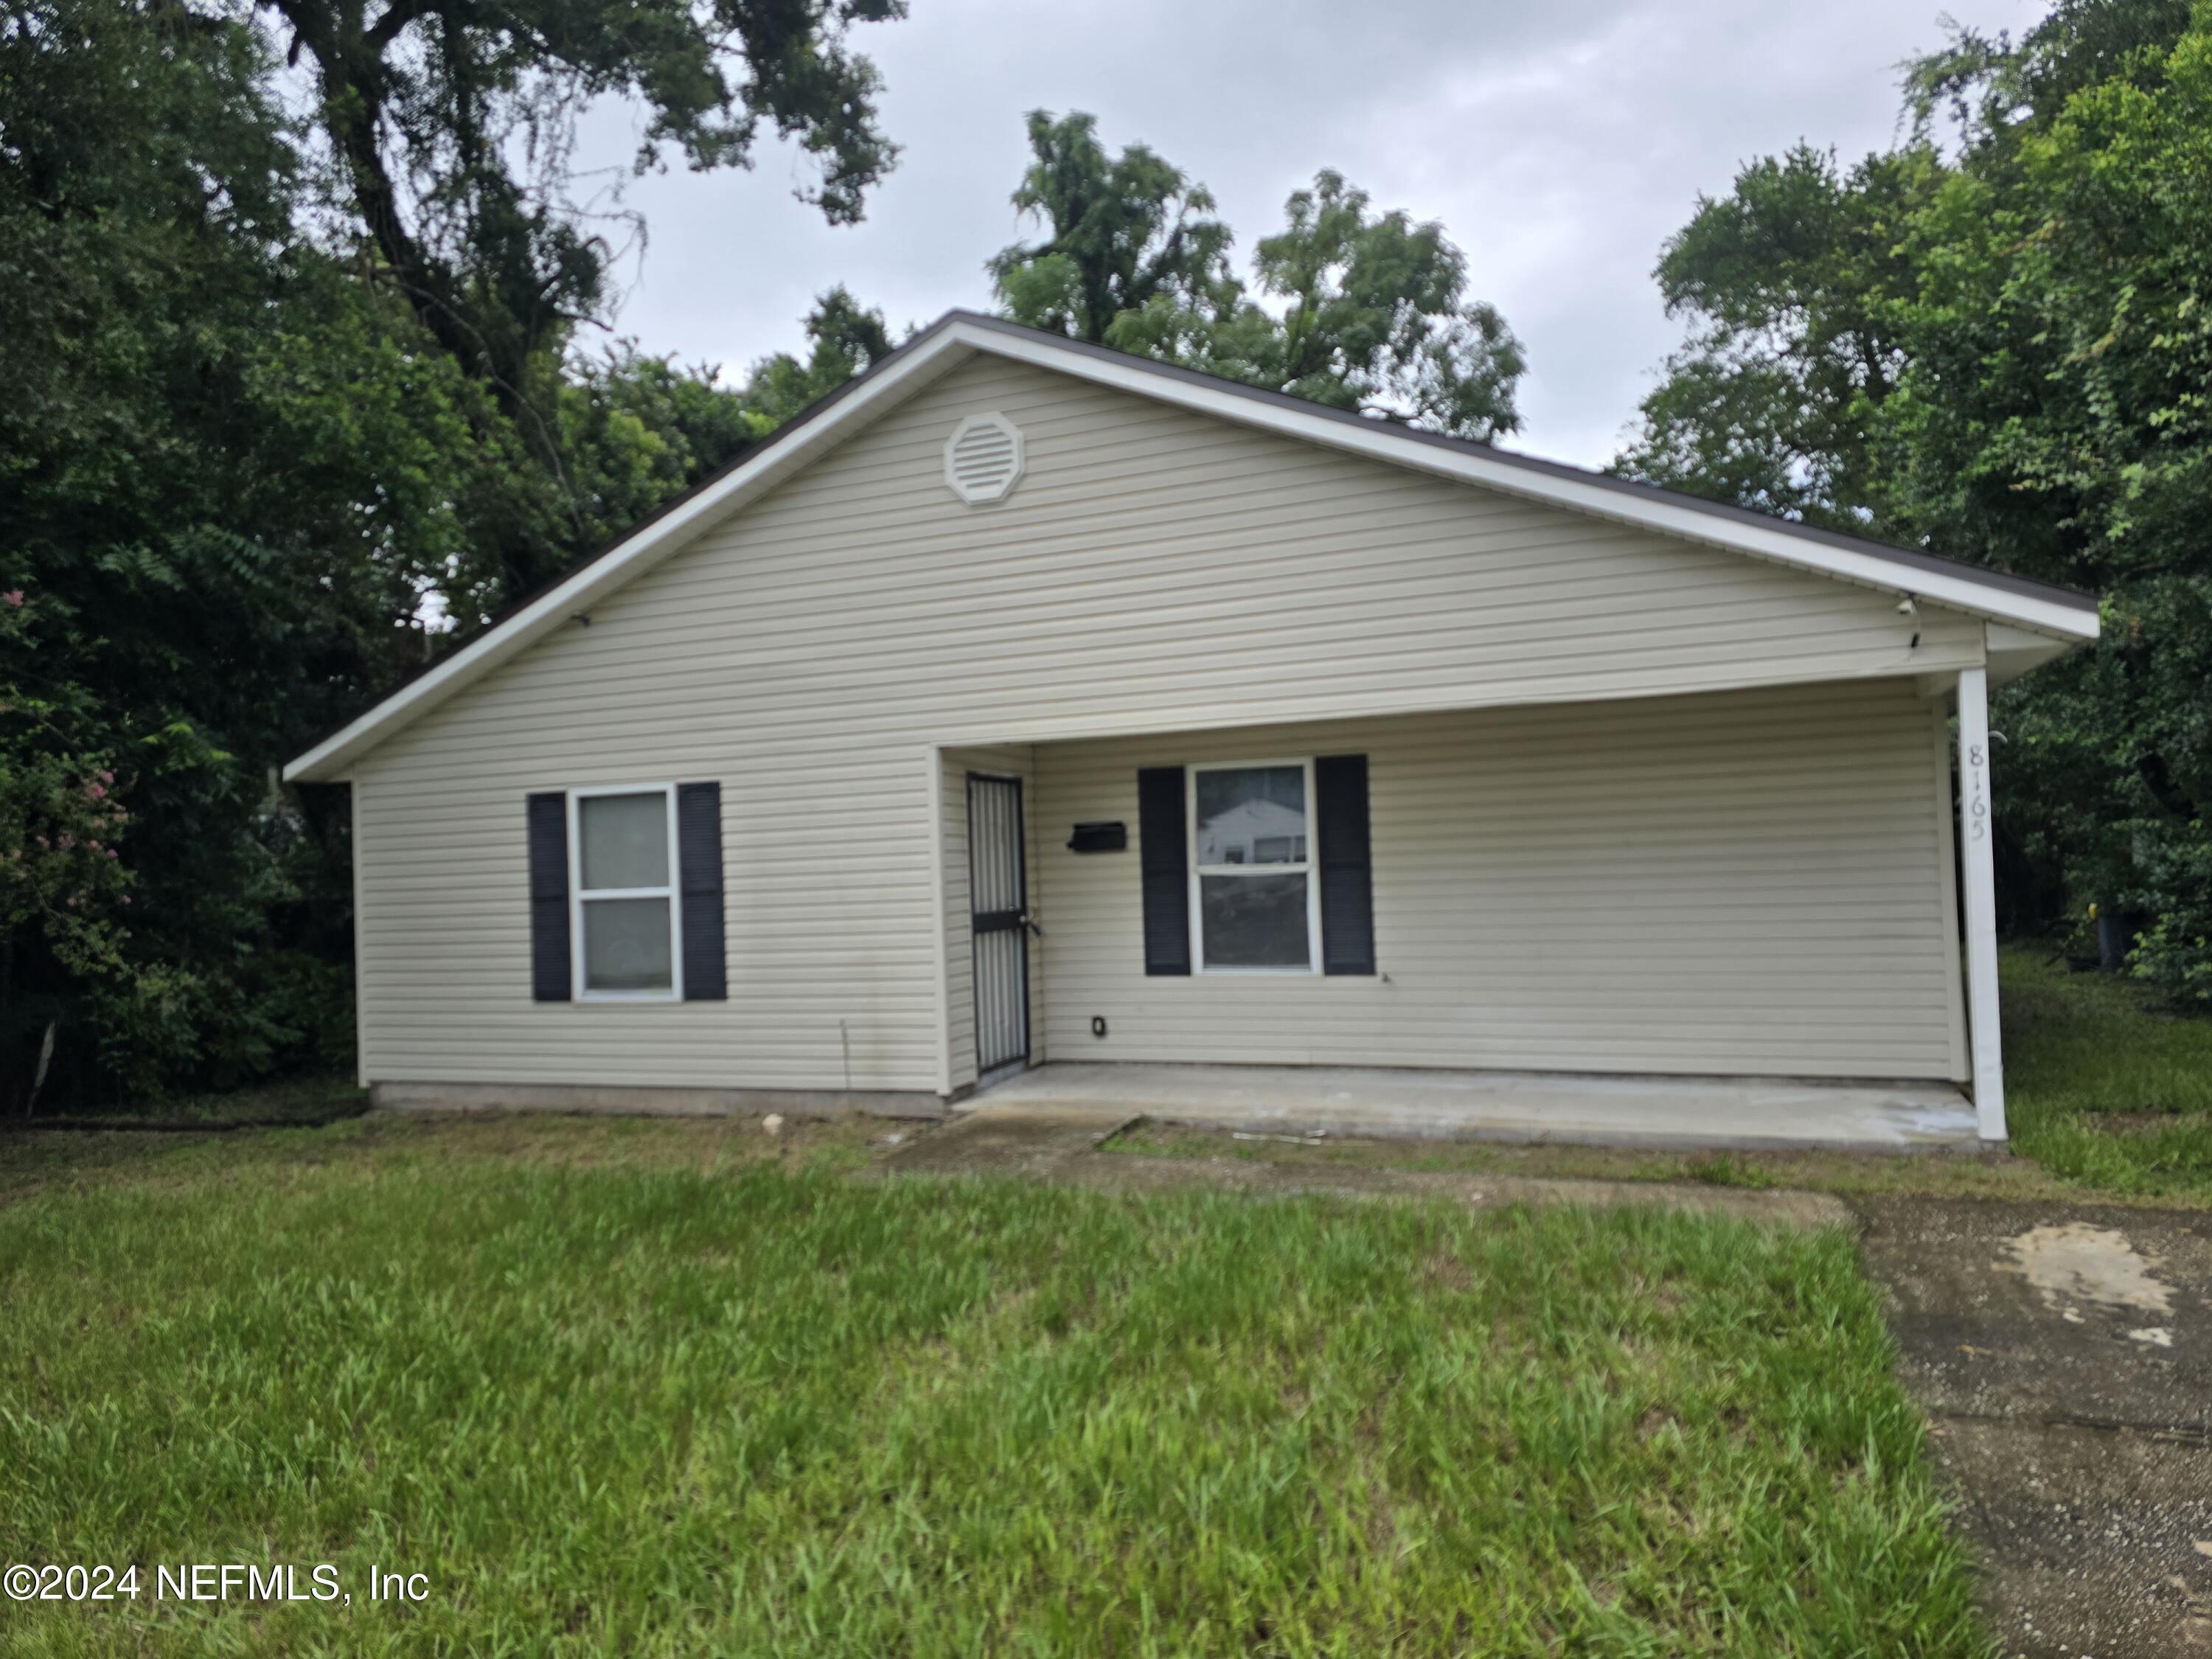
<point>1558,143</point>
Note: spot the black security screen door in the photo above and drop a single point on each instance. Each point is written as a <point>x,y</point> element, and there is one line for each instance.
<point>998,887</point>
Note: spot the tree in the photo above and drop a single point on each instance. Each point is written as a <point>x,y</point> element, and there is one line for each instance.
<point>848,339</point>
<point>224,488</point>
<point>429,106</point>
<point>1999,349</point>
<point>450,124</point>
<point>1789,284</point>
<point>242,490</point>
<point>1130,233</point>
<point>1377,320</point>
<point>1371,309</point>
<point>638,430</point>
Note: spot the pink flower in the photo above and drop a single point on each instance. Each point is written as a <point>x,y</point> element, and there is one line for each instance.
<point>107,777</point>
<point>95,792</point>
<point>72,901</point>
<point>124,899</point>
<point>68,842</point>
<point>111,852</point>
<point>14,597</point>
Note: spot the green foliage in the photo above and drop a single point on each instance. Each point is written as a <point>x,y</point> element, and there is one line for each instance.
<point>447,128</point>
<point>847,339</point>
<point>712,1408</point>
<point>638,431</point>
<point>1362,310</point>
<point>1376,319</point>
<point>2002,349</point>
<point>62,885</point>
<point>1784,280</point>
<point>1130,233</point>
<point>242,488</point>
<point>207,557</point>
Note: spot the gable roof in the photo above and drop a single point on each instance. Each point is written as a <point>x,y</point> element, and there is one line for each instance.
<point>2063,614</point>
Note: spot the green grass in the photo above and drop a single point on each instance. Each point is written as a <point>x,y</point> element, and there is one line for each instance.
<point>2101,1086</point>
<point>663,1388</point>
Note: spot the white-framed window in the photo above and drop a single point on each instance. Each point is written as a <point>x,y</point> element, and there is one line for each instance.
<point>1255,898</point>
<point>625,926</point>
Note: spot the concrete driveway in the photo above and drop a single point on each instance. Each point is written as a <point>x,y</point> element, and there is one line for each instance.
<point>2065,1355</point>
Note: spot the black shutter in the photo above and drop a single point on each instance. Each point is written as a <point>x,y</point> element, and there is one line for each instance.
<point>1167,878</point>
<point>699,890</point>
<point>1347,883</point>
<point>549,897</point>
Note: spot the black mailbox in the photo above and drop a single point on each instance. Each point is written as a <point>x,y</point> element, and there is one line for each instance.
<point>1098,838</point>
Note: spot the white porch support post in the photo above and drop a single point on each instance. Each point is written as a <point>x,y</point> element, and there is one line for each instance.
<point>1977,840</point>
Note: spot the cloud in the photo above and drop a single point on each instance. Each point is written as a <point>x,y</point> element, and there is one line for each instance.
<point>1559,145</point>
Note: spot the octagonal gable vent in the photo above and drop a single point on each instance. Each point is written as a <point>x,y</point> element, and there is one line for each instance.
<point>983,459</point>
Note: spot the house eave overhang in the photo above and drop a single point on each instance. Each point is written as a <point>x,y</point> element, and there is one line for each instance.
<point>2060,615</point>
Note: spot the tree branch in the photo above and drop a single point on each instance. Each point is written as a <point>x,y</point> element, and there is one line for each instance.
<point>397,17</point>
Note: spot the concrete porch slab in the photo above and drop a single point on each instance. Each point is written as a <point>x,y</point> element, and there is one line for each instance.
<point>1742,1113</point>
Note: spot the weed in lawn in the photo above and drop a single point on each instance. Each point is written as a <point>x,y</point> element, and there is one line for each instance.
<point>611,1395</point>
<point>31,1161</point>
<point>1727,1170</point>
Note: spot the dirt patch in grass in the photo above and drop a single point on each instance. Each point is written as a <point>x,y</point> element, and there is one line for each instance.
<point>35,1160</point>
<point>298,1100</point>
<point>1950,1174</point>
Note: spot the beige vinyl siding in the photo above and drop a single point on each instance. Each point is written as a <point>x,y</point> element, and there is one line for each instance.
<point>1154,570</point>
<point>1734,883</point>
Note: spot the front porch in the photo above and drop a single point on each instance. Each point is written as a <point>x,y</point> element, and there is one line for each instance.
<point>1743,1114</point>
<point>1726,919</point>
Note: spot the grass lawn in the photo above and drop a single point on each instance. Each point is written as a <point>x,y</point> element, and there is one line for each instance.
<point>2105,1095</point>
<point>663,1387</point>
<point>2103,1088</point>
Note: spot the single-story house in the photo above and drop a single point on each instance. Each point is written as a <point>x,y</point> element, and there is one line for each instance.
<point>1027,703</point>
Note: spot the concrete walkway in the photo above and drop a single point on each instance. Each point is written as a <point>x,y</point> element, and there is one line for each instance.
<point>2064,1355</point>
<point>1061,1144</point>
<point>1611,1111</point>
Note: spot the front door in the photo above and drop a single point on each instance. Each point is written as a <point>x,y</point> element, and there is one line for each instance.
<point>998,890</point>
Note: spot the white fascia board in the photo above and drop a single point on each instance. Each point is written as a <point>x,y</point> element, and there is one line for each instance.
<point>558,604</point>
<point>1681,519</point>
